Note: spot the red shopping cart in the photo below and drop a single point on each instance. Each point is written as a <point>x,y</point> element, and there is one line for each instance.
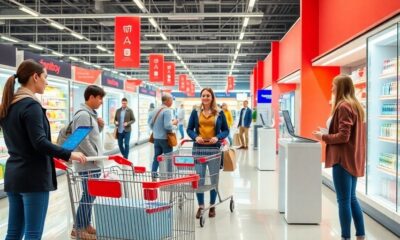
<point>204,161</point>
<point>129,204</point>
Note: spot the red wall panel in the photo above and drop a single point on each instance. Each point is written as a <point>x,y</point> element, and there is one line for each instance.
<point>268,70</point>
<point>290,51</point>
<point>343,20</point>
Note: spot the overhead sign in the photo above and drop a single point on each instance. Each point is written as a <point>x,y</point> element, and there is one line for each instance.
<point>156,68</point>
<point>90,76</point>
<point>264,96</point>
<point>182,82</point>
<point>169,74</point>
<point>231,83</point>
<point>147,90</point>
<point>131,84</point>
<point>109,80</point>
<point>127,42</point>
<point>54,67</point>
<point>8,55</point>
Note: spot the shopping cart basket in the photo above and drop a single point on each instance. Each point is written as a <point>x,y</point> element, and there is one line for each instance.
<point>204,161</point>
<point>130,204</point>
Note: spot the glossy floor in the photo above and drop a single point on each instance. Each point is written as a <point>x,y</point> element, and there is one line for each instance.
<point>255,217</point>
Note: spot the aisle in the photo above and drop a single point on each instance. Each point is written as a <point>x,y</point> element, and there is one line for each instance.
<point>256,215</point>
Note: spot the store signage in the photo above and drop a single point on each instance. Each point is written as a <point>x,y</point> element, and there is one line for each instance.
<point>111,81</point>
<point>169,74</point>
<point>197,95</point>
<point>86,75</point>
<point>8,55</point>
<point>54,67</point>
<point>156,68</point>
<point>127,42</point>
<point>264,96</point>
<point>131,85</point>
<point>231,83</point>
<point>192,89</point>
<point>188,86</point>
<point>147,90</point>
<point>182,82</point>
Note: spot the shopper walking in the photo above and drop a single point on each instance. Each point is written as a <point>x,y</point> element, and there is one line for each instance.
<point>345,152</point>
<point>229,119</point>
<point>90,146</point>
<point>124,119</point>
<point>181,120</point>
<point>161,122</point>
<point>207,126</point>
<point>244,125</point>
<point>30,173</point>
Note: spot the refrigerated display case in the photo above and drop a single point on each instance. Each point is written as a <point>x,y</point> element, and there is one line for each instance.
<point>111,102</point>
<point>383,117</point>
<point>286,102</point>
<point>144,104</point>
<point>133,103</point>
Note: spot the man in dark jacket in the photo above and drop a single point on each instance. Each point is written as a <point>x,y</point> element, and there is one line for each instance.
<point>123,120</point>
<point>244,125</point>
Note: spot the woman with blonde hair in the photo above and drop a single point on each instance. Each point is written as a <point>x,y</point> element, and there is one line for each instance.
<point>207,126</point>
<point>345,152</point>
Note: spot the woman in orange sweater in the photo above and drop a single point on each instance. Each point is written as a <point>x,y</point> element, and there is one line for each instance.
<point>345,152</point>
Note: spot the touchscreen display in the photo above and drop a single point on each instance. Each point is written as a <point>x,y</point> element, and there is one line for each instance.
<point>76,138</point>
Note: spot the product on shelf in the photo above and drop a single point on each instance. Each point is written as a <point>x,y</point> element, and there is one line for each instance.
<point>389,67</point>
<point>389,88</point>
<point>388,130</point>
<point>389,109</point>
<point>2,170</point>
<point>387,160</point>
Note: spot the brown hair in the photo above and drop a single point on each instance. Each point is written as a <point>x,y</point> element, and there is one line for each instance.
<point>25,70</point>
<point>213,101</point>
<point>93,90</point>
<point>345,93</point>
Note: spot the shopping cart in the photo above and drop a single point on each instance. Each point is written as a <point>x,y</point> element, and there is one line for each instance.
<point>130,204</point>
<point>204,161</point>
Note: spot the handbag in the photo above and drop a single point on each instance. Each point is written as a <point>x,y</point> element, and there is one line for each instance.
<point>171,138</point>
<point>115,133</point>
<point>151,139</point>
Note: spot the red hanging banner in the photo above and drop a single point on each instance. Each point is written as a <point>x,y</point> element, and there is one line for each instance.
<point>188,86</point>
<point>127,42</point>
<point>182,82</point>
<point>192,89</point>
<point>156,68</point>
<point>231,83</point>
<point>169,74</point>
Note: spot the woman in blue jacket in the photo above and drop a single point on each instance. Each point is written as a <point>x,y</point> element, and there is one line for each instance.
<point>207,126</point>
<point>30,173</point>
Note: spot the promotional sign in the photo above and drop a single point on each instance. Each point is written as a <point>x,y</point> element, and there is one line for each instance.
<point>110,81</point>
<point>169,74</point>
<point>188,86</point>
<point>264,109</point>
<point>264,96</point>
<point>131,84</point>
<point>8,55</point>
<point>54,67</point>
<point>86,75</point>
<point>182,82</point>
<point>156,68</point>
<point>231,83</point>
<point>127,42</point>
<point>147,90</point>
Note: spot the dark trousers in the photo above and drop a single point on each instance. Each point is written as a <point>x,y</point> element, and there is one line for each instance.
<point>123,143</point>
<point>27,214</point>
<point>345,187</point>
<point>160,146</point>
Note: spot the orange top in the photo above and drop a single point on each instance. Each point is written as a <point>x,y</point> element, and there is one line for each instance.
<point>346,141</point>
<point>207,126</point>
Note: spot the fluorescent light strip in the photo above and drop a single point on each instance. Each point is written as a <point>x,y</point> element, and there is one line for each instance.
<point>87,63</point>
<point>73,58</point>
<point>140,5</point>
<point>106,69</point>
<point>245,22</point>
<point>344,55</point>
<point>238,46</point>
<point>251,4</point>
<point>175,53</point>
<point>57,25</point>
<point>114,72</point>
<point>241,36</point>
<point>170,46</point>
<point>36,47</point>
<point>29,11</point>
<point>57,54</point>
<point>153,22</point>
<point>163,36</point>
<point>77,35</point>
<point>9,39</point>
<point>96,66</point>
<point>101,48</point>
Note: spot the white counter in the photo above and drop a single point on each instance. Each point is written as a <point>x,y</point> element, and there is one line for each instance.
<point>266,149</point>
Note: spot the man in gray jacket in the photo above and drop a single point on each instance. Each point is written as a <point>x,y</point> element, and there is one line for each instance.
<point>90,146</point>
<point>123,120</point>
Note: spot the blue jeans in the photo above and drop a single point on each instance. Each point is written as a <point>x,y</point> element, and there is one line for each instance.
<point>345,187</point>
<point>123,143</point>
<point>160,146</point>
<point>181,131</point>
<point>84,213</point>
<point>27,214</point>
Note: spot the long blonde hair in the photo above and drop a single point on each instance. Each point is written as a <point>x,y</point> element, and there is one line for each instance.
<point>213,105</point>
<point>345,93</point>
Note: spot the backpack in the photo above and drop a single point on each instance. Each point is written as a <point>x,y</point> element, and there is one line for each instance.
<point>67,130</point>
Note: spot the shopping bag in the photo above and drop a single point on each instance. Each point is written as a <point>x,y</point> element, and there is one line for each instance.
<point>229,160</point>
<point>115,134</point>
<point>236,139</point>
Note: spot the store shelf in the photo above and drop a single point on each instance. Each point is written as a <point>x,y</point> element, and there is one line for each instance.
<point>360,84</point>
<point>386,170</point>
<point>386,139</point>
<point>388,76</point>
<point>388,97</point>
<point>388,117</point>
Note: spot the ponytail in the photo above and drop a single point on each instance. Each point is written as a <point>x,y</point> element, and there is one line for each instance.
<point>8,95</point>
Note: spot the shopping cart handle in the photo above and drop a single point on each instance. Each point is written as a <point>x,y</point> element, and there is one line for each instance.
<point>120,160</point>
<point>60,164</point>
<point>192,178</point>
<point>96,158</point>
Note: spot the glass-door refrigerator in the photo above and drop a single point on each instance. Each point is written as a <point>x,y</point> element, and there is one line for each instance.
<point>383,118</point>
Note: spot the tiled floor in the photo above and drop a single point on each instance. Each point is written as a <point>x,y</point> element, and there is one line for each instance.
<point>255,217</point>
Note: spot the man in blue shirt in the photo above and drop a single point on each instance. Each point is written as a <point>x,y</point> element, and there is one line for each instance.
<point>244,125</point>
<point>123,119</point>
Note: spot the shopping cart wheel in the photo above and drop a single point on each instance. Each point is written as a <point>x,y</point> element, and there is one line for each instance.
<point>232,205</point>
<point>202,221</point>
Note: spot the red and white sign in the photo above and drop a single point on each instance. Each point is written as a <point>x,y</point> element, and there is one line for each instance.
<point>156,68</point>
<point>169,74</point>
<point>182,82</point>
<point>127,42</point>
<point>90,76</point>
<point>132,84</point>
<point>192,89</point>
<point>231,83</point>
<point>188,86</point>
